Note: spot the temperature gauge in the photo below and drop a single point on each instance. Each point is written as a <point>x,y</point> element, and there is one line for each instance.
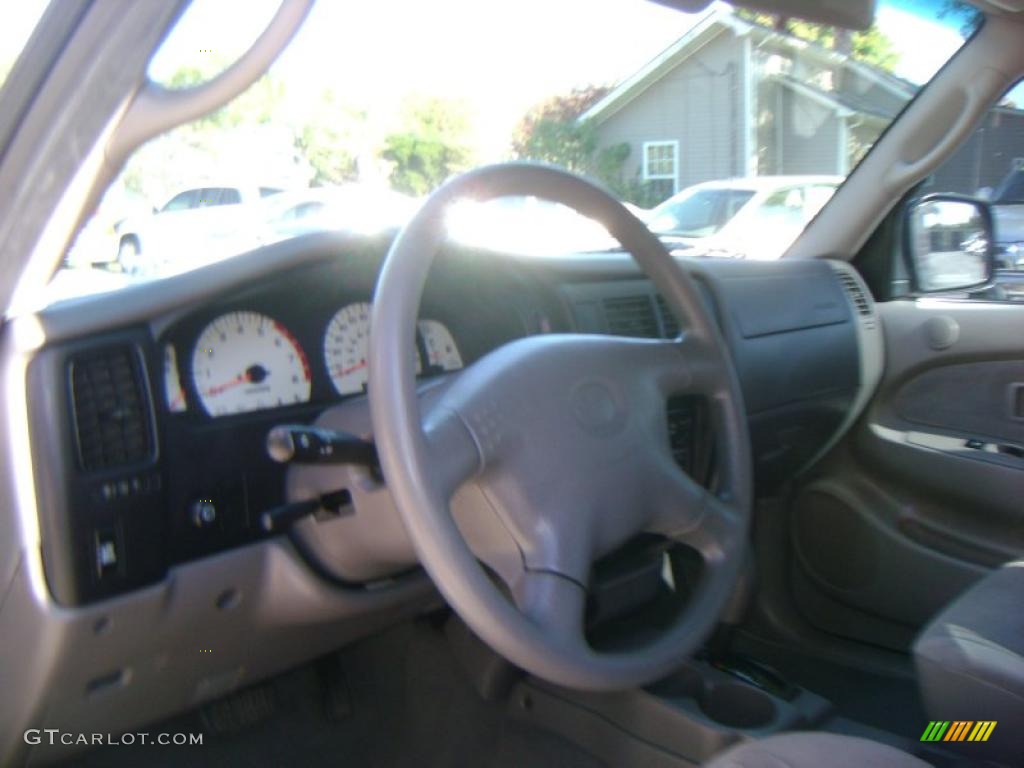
<point>173,391</point>
<point>442,354</point>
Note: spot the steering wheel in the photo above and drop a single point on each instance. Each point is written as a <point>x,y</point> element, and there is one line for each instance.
<point>565,439</point>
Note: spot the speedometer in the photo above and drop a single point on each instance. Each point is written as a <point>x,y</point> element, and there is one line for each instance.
<point>245,361</point>
<point>346,348</point>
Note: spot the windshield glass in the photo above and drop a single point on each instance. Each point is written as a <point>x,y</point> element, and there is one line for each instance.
<point>20,19</point>
<point>361,118</point>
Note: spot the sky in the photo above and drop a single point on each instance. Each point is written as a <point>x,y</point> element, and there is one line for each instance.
<point>497,59</point>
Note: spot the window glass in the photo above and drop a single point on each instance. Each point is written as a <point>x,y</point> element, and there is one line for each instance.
<point>645,100</point>
<point>698,213</point>
<point>19,21</point>
<point>183,201</point>
<point>213,196</point>
<point>659,169</point>
<point>990,166</point>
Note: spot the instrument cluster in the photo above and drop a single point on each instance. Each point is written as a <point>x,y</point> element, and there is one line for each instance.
<point>243,361</point>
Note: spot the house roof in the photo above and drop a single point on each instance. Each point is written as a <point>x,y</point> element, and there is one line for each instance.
<point>844,104</point>
<point>718,18</point>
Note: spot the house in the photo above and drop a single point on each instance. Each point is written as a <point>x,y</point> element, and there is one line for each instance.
<point>734,98</point>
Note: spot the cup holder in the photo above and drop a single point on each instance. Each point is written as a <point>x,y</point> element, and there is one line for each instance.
<point>685,683</point>
<point>737,705</point>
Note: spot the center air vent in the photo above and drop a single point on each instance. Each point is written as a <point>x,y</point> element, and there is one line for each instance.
<point>631,316</point>
<point>112,412</point>
<point>669,323</point>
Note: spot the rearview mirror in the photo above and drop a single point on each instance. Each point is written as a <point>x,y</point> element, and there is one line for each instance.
<point>949,243</point>
<point>850,14</point>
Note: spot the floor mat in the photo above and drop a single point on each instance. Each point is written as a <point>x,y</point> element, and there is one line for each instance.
<point>411,706</point>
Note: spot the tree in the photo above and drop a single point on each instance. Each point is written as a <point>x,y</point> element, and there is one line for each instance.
<point>553,132</point>
<point>870,46</point>
<point>331,139</point>
<point>431,147</point>
<point>255,106</point>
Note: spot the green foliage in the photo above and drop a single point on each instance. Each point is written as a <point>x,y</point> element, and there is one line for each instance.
<point>871,46</point>
<point>431,146</point>
<point>552,132</point>
<point>564,142</point>
<point>255,106</point>
<point>330,140</point>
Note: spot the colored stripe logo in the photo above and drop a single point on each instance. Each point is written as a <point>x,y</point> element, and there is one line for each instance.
<point>958,730</point>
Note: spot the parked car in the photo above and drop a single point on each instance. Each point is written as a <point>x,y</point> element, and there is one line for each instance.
<point>1008,220</point>
<point>745,218</point>
<point>221,216</point>
<point>352,207</point>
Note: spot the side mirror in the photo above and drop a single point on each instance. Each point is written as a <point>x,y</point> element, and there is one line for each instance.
<point>949,243</point>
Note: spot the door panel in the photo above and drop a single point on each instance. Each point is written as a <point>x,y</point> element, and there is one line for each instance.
<point>927,491</point>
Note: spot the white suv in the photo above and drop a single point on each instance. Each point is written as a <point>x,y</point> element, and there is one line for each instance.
<point>757,217</point>
<point>208,223</point>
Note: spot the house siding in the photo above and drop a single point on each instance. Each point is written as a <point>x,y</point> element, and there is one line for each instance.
<point>690,104</point>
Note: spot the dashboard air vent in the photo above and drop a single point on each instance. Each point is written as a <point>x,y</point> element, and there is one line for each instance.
<point>669,322</point>
<point>856,293</point>
<point>631,316</point>
<point>110,403</point>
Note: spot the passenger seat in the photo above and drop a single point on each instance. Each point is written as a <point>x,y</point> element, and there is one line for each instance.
<point>970,663</point>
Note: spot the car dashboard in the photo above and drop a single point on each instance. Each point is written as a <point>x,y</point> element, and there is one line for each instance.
<point>149,412</point>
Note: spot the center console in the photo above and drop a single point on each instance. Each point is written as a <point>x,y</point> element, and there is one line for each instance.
<point>683,719</point>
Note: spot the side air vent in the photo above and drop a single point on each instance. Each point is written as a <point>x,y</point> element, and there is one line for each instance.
<point>112,412</point>
<point>669,322</point>
<point>856,293</point>
<point>631,316</point>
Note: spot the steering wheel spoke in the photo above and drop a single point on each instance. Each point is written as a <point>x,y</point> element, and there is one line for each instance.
<point>456,456</point>
<point>555,604</point>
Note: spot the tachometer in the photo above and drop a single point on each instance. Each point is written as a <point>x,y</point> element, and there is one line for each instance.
<point>346,348</point>
<point>245,361</point>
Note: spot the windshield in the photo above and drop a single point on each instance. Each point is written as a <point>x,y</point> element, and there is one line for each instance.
<point>695,121</point>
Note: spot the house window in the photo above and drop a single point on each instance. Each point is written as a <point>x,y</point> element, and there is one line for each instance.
<point>661,167</point>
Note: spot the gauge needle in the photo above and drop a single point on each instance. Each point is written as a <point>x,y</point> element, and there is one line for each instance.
<point>254,374</point>
<point>239,379</point>
<point>351,369</point>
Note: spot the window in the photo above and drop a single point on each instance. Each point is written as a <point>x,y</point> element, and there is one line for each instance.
<point>783,206</point>
<point>661,167</point>
<point>183,201</point>
<point>212,196</point>
<point>698,213</point>
<point>988,166</point>
<point>374,146</point>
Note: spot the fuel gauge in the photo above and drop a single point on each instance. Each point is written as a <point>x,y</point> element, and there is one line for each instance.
<point>173,391</point>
